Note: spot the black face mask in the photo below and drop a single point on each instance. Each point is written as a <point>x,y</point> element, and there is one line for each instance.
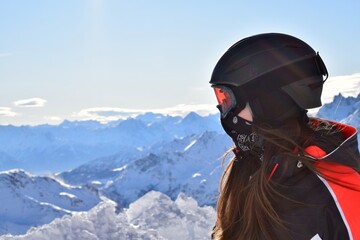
<point>241,131</point>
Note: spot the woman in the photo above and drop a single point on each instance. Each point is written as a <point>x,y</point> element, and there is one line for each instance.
<point>292,177</point>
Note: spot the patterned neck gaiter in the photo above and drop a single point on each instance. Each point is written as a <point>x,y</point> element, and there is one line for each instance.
<point>241,132</point>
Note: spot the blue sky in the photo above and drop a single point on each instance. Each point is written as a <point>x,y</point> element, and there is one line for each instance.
<point>85,59</point>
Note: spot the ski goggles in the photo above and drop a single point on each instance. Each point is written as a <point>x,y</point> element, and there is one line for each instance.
<point>226,99</point>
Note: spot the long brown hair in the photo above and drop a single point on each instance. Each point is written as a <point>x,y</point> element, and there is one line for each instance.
<point>244,208</point>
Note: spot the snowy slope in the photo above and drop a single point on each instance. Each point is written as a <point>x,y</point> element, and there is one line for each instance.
<point>191,165</point>
<point>154,216</point>
<point>101,169</point>
<point>28,200</point>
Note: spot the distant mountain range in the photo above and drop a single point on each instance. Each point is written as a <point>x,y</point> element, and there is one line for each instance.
<point>120,162</point>
<point>48,148</point>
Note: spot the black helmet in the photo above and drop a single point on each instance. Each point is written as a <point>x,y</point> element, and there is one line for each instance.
<point>272,63</point>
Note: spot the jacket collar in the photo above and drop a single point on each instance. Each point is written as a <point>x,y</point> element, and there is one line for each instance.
<point>346,153</point>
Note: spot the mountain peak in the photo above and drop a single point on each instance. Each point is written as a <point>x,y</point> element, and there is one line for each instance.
<point>89,124</point>
<point>338,96</point>
<point>16,173</point>
<point>339,108</point>
<point>150,117</point>
<point>192,116</point>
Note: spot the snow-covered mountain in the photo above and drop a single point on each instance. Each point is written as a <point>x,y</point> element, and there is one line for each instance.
<point>47,148</point>
<point>342,109</point>
<point>191,165</point>
<point>153,216</point>
<point>66,146</point>
<point>199,163</point>
<point>28,200</point>
<point>130,160</point>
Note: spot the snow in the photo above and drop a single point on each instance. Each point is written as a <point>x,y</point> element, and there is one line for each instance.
<point>120,169</point>
<point>28,200</point>
<point>154,216</point>
<point>96,182</point>
<point>173,173</point>
<point>69,195</point>
<point>190,145</point>
<point>340,108</point>
<point>196,175</point>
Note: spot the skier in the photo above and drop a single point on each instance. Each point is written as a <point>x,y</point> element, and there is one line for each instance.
<point>292,177</point>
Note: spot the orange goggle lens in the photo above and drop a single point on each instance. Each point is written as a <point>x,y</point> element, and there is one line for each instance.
<point>225,98</point>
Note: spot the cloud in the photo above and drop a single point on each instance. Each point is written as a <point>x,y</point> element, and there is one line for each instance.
<point>348,86</point>
<point>53,119</point>
<point>107,114</point>
<point>184,109</point>
<point>31,102</point>
<point>7,112</point>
